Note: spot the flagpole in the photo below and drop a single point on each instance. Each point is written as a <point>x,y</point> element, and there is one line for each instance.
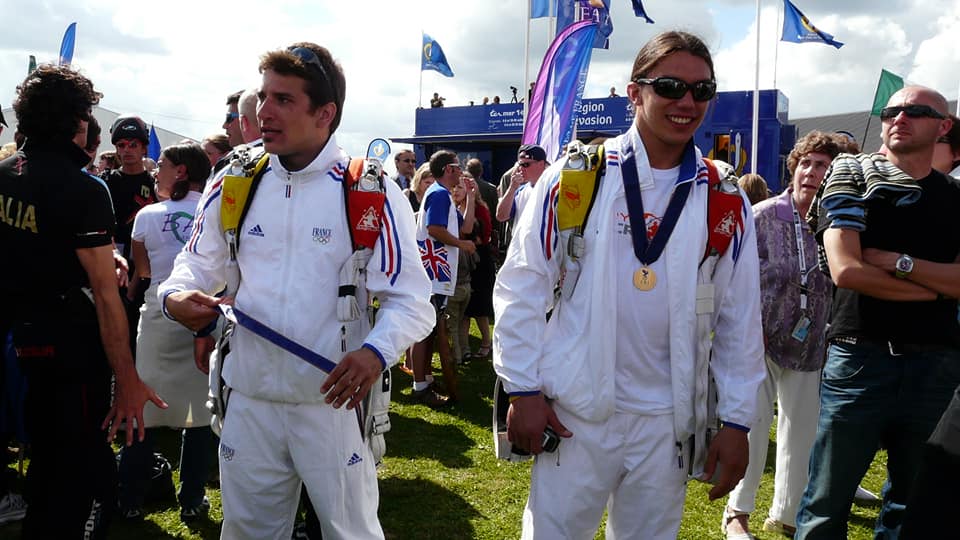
<point>526,60</point>
<point>755,129</point>
<point>776,48</point>
<point>420,88</point>
<point>863,141</point>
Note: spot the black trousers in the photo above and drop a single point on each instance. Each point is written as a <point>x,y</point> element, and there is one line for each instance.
<point>935,496</point>
<point>72,479</point>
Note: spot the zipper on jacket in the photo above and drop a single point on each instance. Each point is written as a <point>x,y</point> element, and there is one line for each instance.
<point>679,455</point>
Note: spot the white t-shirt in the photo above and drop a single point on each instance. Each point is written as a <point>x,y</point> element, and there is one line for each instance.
<point>643,338</point>
<point>164,228</point>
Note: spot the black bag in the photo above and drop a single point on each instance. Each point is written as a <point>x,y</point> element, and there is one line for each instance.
<point>160,489</point>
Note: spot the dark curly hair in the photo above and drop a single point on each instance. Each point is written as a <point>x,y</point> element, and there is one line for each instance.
<point>51,101</point>
<point>815,141</point>
<point>197,163</point>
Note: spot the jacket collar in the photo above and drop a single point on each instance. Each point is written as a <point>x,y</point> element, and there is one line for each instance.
<point>782,205</point>
<point>327,159</point>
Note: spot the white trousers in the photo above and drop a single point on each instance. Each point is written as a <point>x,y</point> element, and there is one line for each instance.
<point>628,464</point>
<point>268,448</point>
<point>798,405</point>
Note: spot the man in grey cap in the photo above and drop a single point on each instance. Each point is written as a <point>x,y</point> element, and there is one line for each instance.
<point>531,162</point>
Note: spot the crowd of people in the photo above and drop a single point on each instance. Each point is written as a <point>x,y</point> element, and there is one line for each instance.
<point>650,338</point>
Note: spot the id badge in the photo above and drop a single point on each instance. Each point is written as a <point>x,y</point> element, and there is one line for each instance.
<point>801,329</point>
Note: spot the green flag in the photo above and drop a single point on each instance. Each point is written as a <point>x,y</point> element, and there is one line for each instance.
<point>888,85</point>
<point>33,64</point>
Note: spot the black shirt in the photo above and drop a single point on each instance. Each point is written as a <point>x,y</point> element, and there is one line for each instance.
<point>928,229</point>
<point>49,208</point>
<point>130,193</point>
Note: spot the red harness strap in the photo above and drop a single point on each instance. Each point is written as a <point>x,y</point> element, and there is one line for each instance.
<point>724,213</point>
<point>364,208</point>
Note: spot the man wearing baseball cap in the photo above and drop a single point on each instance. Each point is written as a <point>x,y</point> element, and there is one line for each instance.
<point>531,162</point>
<point>131,186</point>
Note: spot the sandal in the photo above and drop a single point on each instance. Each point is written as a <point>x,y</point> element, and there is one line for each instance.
<point>728,516</point>
<point>482,352</point>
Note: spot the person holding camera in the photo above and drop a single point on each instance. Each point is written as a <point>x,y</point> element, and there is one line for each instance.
<point>436,101</point>
<point>621,371</point>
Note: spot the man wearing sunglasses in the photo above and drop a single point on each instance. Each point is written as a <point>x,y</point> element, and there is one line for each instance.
<point>892,243</point>
<point>531,162</point>
<point>288,422</point>
<point>231,123</point>
<point>406,164</point>
<point>621,370</point>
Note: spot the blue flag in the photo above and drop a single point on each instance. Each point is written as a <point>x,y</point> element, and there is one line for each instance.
<point>640,12</point>
<point>543,8</point>
<point>66,46</point>
<point>598,11</point>
<point>432,57</point>
<point>153,149</point>
<point>797,28</point>
<point>559,88</point>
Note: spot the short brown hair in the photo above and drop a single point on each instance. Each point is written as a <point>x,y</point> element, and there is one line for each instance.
<point>324,84</point>
<point>953,136</point>
<point>664,44</point>
<point>755,187</point>
<point>815,141</point>
<point>439,161</point>
<point>219,141</point>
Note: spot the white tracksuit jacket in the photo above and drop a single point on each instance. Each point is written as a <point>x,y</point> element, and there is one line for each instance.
<point>571,357</point>
<point>293,243</point>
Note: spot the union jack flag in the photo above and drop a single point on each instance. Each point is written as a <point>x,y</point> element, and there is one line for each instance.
<point>434,258</point>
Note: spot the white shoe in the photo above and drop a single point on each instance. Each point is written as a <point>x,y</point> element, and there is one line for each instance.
<point>12,508</point>
<point>865,495</point>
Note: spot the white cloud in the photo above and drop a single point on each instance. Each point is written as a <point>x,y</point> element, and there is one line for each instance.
<point>175,62</point>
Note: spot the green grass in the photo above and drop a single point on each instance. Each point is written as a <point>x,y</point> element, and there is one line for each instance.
<point>440,479</point>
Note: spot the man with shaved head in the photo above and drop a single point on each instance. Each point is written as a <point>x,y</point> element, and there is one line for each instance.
<point>891,241</point>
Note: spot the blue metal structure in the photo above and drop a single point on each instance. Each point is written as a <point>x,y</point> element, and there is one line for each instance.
<point>492,132</point>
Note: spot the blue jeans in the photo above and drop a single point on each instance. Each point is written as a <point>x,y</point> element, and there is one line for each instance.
<point>871,397</point>
<point>197,455</point>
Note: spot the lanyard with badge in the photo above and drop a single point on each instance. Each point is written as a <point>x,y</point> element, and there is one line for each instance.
<point>802,328</point>
<point>646,252</point>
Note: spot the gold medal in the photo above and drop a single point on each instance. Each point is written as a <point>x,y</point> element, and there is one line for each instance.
<point>644,278</point>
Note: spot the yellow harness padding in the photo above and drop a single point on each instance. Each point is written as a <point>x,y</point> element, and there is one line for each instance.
<point>578,186</point>
<point>236,190</point>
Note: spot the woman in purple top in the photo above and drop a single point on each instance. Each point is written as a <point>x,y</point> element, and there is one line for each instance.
<point>795,299</point>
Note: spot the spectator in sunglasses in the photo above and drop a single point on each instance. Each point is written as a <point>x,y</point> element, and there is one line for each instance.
<point>231,123</point>
<point>620,370</point>
<point>531,162</point>
<point>406,163</point>
<point>246,124</point>
<point>891,241</point>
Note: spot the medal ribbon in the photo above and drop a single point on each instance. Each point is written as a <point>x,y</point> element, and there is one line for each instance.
<point>648,252</point>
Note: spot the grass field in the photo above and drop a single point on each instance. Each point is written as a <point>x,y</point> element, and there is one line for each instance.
<point>440,480</point>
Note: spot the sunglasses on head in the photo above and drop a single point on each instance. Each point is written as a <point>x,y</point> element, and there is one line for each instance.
<point>912,111</point>
<point>672,88</point>
<point>310,60</point>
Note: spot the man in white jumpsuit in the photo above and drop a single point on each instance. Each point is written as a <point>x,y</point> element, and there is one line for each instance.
<point>621,370</point>
<point>286,422</point>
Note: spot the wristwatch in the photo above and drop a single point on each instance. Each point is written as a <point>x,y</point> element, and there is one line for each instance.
<point>904,266</point>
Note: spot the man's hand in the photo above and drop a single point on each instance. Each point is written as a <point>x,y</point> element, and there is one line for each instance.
<point>193,309</point>
<point>526,419</point>
<point>353,377</point>
<point>467,245</point>
<point>730,450</point>
<point>202,348</point>
<point>884,260</point>
<point>517,179</point>
<point>122,268</point>
<point>128,402</point>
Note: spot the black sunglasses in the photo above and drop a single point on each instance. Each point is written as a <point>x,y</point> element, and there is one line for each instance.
<point>408,160</point>
<point>231,116</point>
<point>672,88</point>
<point>524,164</point>
<point>309,59</point>
<point>912,111</point>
